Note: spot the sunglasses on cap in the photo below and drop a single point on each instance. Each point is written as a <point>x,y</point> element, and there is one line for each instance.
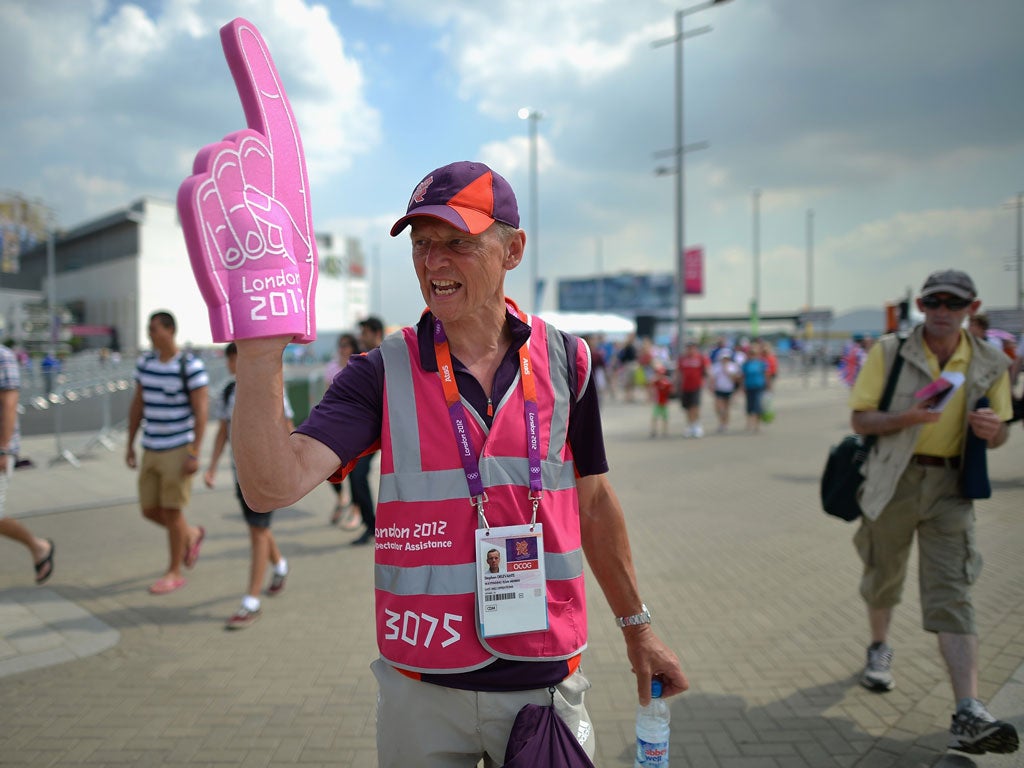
<point>952,303</point>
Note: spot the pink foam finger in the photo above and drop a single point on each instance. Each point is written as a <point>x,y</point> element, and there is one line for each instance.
<point>266,302</point>
<point>266,296</point>
<point>245,211</point>
<point>275,241</point>
<point>212,288</point>
<point>257,164</point>
<point>269,113</point>
<point>267,109</point>
<point>242,240</point>
<point>278,219</point>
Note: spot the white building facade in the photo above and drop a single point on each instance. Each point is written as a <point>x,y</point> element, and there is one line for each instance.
<point>114,271</point>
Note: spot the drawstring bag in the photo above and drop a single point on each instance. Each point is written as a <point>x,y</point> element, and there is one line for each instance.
<point>540,739</point>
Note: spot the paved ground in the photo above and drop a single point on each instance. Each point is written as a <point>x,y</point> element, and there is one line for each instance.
<point>753,586</point>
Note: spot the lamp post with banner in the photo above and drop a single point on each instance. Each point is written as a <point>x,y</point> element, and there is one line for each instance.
<point>678,151</point>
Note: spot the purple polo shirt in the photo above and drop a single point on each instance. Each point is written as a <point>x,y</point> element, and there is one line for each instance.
<point>349,418</point>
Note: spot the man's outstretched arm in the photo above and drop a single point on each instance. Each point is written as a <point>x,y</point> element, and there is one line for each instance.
<point>275,467</point>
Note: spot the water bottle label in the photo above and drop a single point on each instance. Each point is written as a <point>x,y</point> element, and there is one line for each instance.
<point>651,753</point>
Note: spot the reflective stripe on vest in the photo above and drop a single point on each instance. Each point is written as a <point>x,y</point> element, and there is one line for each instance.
<point>425,572</point>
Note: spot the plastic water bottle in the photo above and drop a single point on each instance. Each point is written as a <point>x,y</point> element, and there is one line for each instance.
<point>652,731</point>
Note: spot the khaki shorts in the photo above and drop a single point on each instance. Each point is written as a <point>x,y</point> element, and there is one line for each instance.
<point>430,726</point>
<point>161,482</point>
<point>927,501</point>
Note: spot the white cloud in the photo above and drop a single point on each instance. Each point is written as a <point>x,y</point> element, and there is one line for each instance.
<point>895,122</point>
<point>128,94</point>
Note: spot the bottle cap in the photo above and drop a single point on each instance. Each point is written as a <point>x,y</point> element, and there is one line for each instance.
<point>656,689</point>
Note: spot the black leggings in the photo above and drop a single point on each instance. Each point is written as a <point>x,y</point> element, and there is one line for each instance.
<point>359,485</point>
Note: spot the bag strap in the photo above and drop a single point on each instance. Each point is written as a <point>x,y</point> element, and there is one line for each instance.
<point>183,371</point>
<point>890,388</point>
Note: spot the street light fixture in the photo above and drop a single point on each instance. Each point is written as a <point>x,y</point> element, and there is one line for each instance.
<point>533,242</point>
<point>679,150</point>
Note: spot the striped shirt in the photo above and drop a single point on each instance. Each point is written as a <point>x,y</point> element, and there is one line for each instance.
<point>10,378</point>
<point>167,416</point>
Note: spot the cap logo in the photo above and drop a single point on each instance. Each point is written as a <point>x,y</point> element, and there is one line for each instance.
<point>420,193</point>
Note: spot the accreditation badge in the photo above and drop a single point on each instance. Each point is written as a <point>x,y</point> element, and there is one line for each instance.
<point>511,590</point>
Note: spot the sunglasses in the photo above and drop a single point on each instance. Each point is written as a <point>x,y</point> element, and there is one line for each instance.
<point>953,304</point>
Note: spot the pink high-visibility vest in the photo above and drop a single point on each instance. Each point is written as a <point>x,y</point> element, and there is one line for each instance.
<point>425,568</point>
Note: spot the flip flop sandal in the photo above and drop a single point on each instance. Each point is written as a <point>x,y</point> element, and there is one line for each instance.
<point>192,554</point>
<point>166,585</point>
<point>44,568</point>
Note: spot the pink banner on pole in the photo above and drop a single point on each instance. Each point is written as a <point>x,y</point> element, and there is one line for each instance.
<point>693,271</point>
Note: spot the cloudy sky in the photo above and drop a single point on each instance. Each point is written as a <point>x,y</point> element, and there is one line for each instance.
<point>900,124</point>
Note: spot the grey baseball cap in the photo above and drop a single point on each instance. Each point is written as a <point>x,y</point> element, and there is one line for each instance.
<point>949,281</point>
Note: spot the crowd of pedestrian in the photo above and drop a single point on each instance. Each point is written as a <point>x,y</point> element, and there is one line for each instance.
<point>427,396</point>
<point>638,370</point>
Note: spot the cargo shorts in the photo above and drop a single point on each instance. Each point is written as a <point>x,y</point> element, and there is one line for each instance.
<point>927,502</point>
<point>162,484</point>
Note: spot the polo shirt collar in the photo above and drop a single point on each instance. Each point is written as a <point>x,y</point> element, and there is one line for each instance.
<point>958,361</point>
<point>425,338</point>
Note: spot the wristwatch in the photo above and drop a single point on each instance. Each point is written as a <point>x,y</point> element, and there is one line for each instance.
<point>644,617</point>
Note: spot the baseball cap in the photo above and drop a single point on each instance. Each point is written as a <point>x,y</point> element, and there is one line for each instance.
<point>467,195</point>
<point>949,281</point>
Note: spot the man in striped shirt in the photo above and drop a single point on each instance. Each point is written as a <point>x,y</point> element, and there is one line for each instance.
<point>171,405</point>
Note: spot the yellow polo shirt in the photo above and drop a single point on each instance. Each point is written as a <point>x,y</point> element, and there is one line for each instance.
<point>944,437</point>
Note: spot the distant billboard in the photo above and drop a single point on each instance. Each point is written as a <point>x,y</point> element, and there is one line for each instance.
<point>693,271</point>
<point>22,226</point>
<point>625,293</point>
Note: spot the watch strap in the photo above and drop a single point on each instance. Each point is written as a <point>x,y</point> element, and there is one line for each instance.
<point>644,617</point>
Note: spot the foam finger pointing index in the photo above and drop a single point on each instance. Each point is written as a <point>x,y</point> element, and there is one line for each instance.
<point>263,98</point>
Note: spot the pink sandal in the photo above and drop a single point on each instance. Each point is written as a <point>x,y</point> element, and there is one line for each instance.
<point>192,553</point>
<point>167,585</point>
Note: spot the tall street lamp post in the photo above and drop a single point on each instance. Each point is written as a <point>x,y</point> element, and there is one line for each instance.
<point>755,302</point>
<point>533,242</point>
<point>680,207</point>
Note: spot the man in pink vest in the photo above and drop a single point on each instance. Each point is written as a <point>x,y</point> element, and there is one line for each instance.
<point>490,438</point>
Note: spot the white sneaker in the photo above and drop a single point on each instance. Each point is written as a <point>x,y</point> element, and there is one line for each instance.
<point>698,430</point>
<point>877,674</point>
<point>975,731</point>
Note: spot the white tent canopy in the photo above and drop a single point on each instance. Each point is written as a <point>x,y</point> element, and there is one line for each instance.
<point>582,323</point>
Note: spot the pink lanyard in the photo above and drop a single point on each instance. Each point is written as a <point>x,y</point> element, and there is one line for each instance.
<point>460,426</point>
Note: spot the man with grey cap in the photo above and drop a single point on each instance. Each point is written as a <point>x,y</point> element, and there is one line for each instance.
<point>913,485</point>
<point>488,425</point>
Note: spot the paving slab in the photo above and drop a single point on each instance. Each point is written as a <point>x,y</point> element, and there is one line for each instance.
<point>753,586</point>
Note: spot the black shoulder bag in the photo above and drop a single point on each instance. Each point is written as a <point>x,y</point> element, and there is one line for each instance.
<point>842,477</point>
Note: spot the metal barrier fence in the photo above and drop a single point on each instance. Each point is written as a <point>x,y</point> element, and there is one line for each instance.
<point>85,378</point>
